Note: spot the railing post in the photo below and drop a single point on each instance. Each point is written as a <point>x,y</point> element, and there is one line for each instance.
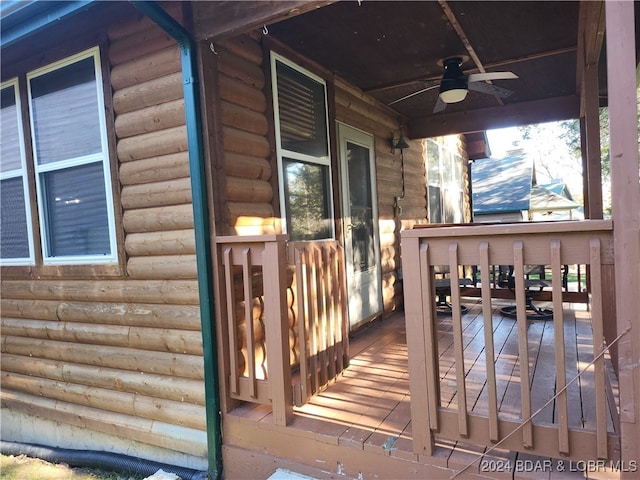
<point>414,318</point>
<point>277,331</point>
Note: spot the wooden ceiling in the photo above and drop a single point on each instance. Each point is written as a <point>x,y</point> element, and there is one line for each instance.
<point>391,49</point>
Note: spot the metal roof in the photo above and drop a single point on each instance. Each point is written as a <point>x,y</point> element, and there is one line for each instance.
<point>501,185</point>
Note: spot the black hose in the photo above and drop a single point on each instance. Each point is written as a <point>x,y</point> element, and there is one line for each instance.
<point>97,459</point>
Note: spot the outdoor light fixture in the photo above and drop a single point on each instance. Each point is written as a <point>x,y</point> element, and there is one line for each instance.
<point>400,143</point>
<point>453,95</point>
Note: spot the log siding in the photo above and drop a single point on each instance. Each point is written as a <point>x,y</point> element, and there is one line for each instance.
<point>123,355</point>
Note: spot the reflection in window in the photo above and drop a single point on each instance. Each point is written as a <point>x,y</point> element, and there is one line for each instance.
<point>445,177</point>
<point>303,151</point>
<point>361,221</point>
<point>306,204</point>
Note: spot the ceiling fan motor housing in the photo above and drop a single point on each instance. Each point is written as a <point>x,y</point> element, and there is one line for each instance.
<point>453,80</point>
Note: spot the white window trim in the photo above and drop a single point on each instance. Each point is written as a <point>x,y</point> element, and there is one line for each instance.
<point>103,157</point>
<point>22,172</point>
<point>282,153</point>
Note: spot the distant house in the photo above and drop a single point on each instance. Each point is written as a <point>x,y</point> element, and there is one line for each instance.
<point>506,190</point>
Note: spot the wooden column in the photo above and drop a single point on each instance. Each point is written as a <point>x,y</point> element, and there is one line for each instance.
<point>592,141</point>
<point>419,339</point>
<point>625,186</point>
<point>585,168</point>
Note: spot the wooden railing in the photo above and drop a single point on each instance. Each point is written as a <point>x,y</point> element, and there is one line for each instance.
<point>321,326</point>
<point>283,324</point>
<point>456,248</point>
<point>255,332</point>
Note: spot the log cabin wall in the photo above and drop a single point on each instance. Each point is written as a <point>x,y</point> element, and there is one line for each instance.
<point>247,164</point>
<point>122,355</point>
<point>246,170</point>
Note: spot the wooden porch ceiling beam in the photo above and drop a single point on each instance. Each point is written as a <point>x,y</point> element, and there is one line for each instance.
<point>538,111</point>
<point>465,41</point>
<point>591,27</point>
<point>223,19</point>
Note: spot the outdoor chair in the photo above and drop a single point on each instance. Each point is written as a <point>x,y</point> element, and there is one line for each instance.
<point>533,287</point>
<point>443,290</point>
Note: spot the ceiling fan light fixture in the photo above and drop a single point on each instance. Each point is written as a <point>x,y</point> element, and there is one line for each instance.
<point>453,87</point>
<point>453,95</point>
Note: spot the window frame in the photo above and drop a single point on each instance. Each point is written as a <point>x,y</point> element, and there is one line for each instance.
<point>22,173</point>
<point>102,157</point>
<point>283,154</point>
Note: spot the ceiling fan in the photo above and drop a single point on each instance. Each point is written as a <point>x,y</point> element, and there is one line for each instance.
<point>454,85</point>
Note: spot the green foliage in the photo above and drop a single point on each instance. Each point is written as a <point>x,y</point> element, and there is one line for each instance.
<point>571,135</point>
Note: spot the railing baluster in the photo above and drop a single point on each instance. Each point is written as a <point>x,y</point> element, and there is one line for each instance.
<point>248,319</point>
<point>328,273</point>
<point>312,305</point>
<point>321,320</point>
<point>598,345</point>
<point>558,333</point>
<point>429,338</point>
<point>231,320</point>
<point>458,344</point>
<point>335,308</point>
<point>326,306</point>
<point>523,343</point>
<point>303,343</point>
<point>487,316</point>
<point>343,305</point>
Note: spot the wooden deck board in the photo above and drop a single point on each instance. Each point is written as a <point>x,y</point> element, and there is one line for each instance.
<point>368,406</point>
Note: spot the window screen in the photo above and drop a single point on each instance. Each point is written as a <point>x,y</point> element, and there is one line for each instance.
<point>71,161</point>
<point>16,244</point>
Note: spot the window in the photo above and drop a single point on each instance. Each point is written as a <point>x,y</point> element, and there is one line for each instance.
<point>445,177</point>
<point>16,239</point>
<point>70,163</point>
<point>302,141</point>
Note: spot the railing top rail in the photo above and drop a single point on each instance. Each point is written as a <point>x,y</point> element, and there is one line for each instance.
<point>223,239</point>
<point>483,229</point>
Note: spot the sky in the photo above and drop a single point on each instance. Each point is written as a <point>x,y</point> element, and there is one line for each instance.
<point>501,140</point>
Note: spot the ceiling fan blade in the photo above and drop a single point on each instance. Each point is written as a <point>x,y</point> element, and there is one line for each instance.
<point>439,106</point>
<point>413,94</point>
<point>480,77</point>
<point>490,89</point>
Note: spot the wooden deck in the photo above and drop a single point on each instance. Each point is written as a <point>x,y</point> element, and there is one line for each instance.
<point>367,409</point>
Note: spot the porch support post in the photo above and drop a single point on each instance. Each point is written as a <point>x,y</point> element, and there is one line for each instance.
<point>592,143</point>
<point>625,186</point>
<point>590,39</point>
<point>420,343</point>
<point>585,167</point>
<point>277,330</point>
